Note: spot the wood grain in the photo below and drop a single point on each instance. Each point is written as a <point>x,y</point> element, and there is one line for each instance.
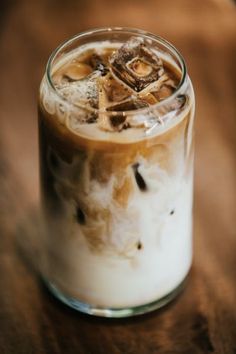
<point>203,318</point>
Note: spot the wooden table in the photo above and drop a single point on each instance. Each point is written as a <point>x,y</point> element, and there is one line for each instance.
<point>203,318</point>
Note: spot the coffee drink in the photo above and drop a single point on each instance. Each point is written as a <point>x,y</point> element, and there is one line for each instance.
<point>116,111</point>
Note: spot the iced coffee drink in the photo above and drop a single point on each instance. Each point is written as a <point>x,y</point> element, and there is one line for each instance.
<point>116,111</point>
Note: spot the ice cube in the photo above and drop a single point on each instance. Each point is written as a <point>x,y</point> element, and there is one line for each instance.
<point>82,92</point>
<point>141,121</point>
<point>115,118</point>
<point>149,98</point>
<point>154,86</point>
<point>164,92</point>
<point>136,65</point>
<point>128,105</point>
<point>115,90</point>
<point>119,119</point>
<point>149,93</point>
<point>103,121</point>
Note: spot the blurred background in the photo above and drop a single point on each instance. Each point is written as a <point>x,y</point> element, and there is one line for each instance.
<point>204,31</point>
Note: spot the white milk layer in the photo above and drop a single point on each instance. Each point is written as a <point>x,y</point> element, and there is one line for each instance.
<point>116,273</point>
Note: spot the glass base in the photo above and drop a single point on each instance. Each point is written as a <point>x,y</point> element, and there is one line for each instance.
<point>115,312</point>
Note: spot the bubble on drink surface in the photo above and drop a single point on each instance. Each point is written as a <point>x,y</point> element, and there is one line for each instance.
<point>97,63</point>
<point>76,71</point>
<point>136,64</point>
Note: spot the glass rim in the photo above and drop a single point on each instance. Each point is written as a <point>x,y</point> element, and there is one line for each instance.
<point>131,30</point>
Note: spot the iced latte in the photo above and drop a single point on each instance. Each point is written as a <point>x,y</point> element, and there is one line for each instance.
<point>116,111</point>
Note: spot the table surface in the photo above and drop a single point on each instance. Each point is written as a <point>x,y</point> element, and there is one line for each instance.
<point>203,318</point>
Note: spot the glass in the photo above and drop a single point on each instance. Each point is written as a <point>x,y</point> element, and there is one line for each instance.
<point>117,208</point>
